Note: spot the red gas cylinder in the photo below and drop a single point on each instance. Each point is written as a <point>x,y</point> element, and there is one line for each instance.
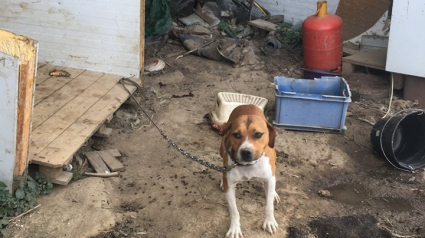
<point>322,39</point>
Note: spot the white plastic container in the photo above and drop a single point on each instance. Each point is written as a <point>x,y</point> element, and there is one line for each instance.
<point>226,102</point>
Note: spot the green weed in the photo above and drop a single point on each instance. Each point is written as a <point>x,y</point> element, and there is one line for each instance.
<point>23,199</point>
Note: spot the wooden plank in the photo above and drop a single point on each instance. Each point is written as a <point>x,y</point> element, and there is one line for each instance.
<point>43,73</point>
<point>103,132</point>
<point>40,65</point>
<point>112,163</point>
<point>52,84</point>
<point>109,118</point>
<point>25,103</point>
<point>25,109</point>
<point>348,68</point>
<point>78,133</point>
<point>64,95</point>
<point>96,161</point>
<point>142,37</point>
<point>373,59</point>
<point>57,175</point>
<point>114,152</point>
<point>263,24</point>
<point>9,68</point>
<point>54,126</point>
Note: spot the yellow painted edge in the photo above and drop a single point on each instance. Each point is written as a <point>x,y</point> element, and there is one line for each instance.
<point>17,46</point>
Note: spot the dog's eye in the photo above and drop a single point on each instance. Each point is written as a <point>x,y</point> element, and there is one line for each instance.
<point>237,135</point>
<point>258,135</point>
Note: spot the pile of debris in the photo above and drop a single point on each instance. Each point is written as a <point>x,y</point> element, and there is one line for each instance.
<point>223,30</point>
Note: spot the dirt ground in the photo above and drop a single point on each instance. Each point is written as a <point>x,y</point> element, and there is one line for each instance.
<point>162,194</point>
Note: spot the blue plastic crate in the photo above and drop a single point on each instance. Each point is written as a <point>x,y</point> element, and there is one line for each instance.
<point>312,105</point>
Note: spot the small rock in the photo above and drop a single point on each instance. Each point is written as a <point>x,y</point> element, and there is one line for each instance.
<point>126,116</point>
<point>324,193</point>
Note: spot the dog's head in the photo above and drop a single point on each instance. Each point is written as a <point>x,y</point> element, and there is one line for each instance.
<point>246,136</point>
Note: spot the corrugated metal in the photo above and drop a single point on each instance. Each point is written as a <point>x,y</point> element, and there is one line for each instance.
<point>98,35</point>
<point>295,11</point>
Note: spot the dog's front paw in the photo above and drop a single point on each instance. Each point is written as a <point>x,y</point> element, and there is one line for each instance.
<point>276,198</point>
<point>270,225</point>
<point>234,232</point>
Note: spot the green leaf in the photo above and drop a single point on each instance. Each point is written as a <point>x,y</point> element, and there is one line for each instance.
<point>4,221</point>
<point>29,197</point>
<point>20,194</point>
<point>5,232</point>
<point>32,185</point>
<point>3,186</point>
<point>17,179</point>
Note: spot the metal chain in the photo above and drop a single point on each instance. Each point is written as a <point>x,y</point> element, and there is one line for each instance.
<point>174,145</point>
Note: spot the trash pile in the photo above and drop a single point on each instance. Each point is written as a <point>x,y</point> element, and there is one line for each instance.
<point>222,30</point>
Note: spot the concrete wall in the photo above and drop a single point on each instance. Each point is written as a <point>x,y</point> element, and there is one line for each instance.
<point>97,35</point>
<point>295,11</point>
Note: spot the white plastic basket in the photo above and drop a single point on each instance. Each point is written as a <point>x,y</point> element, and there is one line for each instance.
<point>226,102</point>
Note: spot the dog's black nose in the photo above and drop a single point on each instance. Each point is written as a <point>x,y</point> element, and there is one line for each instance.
<point>246,155</point>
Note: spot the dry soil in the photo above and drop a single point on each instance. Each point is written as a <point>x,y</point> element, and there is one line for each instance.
<point>331,185</point>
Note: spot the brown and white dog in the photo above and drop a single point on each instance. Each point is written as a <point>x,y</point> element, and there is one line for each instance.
<point>248,146</point>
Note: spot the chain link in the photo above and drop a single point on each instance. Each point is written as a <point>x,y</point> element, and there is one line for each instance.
<point>174,145</point>
<point>194,158</point>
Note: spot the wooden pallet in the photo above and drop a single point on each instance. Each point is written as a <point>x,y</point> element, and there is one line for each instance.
<point>375,59</point>
<point>67,112</point>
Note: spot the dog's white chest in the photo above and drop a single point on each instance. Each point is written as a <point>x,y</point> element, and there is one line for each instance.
<point>260,170</point>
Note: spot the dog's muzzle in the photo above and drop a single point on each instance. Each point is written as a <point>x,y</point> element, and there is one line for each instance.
<point>246,155</point>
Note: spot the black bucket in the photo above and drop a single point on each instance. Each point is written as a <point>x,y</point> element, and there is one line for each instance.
<point>401,139</point>
<point>316,73</point>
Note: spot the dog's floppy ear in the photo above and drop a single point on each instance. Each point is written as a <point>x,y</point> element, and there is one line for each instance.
<point>225,128</point>
<point>272,134</point>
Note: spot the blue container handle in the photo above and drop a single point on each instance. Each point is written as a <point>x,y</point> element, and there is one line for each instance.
<point>330,96</point>
<point>291,93</point>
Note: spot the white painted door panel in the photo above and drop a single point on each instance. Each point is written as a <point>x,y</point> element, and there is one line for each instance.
<point>9,77</point>
<point>406,46</point>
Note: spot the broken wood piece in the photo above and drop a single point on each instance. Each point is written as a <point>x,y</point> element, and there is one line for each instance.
<point>25,213</point>
<point>97,162</point>
<point>114,152</point>
<point>204,16</point>
<point>103,175</point>
<point>57,175</point>
<point>103,132</point>
<point>263,24</point>
<point>83,167</point>
<point>111,161</point>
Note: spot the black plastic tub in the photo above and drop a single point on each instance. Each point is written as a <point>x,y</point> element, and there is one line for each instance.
<point>316,73</point>
<point>401,139</point>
